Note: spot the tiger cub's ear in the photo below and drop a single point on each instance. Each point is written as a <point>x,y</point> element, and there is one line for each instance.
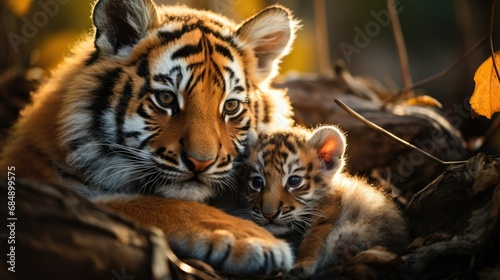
<point>121,23</point>
<point>330,144</point>
<point>270,34</point>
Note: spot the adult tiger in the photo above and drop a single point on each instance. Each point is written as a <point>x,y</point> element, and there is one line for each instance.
<point>164,101</point>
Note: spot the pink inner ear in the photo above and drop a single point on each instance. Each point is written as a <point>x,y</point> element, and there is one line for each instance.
<point>326,151</point>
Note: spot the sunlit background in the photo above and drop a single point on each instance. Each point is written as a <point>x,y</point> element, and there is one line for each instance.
<point>37,35</point>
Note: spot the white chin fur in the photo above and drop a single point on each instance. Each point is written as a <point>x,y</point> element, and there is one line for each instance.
<point>277,229</point>
<point>192,190</point>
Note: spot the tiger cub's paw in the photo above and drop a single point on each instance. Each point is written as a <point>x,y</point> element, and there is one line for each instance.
<point>303,269</point>
<point>348,245</point>
<point>232,254</point>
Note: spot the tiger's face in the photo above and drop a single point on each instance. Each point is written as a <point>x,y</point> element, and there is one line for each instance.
<point>290,171</point>
<point>171,96</point>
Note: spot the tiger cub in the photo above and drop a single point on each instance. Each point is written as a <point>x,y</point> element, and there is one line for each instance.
<point>296,187</point>
<point>163,101</point>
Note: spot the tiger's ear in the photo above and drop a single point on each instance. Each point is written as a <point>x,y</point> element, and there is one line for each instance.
<point>270,34</point>
<point>121,23</point>
<point>330,144</point>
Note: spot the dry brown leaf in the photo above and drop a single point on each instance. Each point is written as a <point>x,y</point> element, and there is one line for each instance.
<point>368,264</point>
<point>485,99</point>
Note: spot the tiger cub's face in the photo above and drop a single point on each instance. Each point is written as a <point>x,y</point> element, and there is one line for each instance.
<point>171,95</point>
<point>290,172</point>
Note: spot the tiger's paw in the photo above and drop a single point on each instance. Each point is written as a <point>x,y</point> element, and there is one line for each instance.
<point>229,254</point>
<point>197,231</point>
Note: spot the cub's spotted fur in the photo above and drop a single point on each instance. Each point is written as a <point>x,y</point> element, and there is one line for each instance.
<point>162,100</point>
<point>296,187</point>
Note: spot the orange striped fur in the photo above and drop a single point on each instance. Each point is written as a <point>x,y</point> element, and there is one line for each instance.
<point>163,100</point>
<point>297,190</point>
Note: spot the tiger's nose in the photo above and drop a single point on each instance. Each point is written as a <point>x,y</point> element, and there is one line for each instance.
<point>270,216</point>
<point>195,164</point>
<point>199,165</point>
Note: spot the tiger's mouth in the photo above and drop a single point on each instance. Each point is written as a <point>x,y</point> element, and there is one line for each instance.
<point>192,189</point>
<point>277,229</point>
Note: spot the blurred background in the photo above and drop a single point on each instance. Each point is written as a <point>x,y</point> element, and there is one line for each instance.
<point>38,34</point>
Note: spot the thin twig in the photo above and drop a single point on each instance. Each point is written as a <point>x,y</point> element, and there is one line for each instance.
<point>491,39</point>
<point>440,74</point>
<point>390,135</point>
<point>400,44</point>
<point>188,268</point>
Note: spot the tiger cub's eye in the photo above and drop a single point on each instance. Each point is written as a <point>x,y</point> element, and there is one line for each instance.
<point>257,183</point>
<point>165,98</point>
<point>231,106</point>
<point>294,182</point>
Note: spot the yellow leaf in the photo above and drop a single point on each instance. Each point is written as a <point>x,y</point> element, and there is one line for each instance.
<point>19,7</point>
<point>424,100</point>
<point>485,99</point>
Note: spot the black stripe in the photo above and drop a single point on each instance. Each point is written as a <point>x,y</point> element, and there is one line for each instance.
<point>169,159</point>
<point>208,48</point>
<point>222,82</point>
<point>284,156</point>
<point>225,163</point>
<point>306,187</point>
<point>238,89</point>
<point>187,51</point>
<point>224,51</point>
<point>220,173</point>
<point>121,110</point>
<point>246,126</point>
<point>101,99</point>
<point>160,152</point>
<point>170,36</point>
<point>289,145</point>
<point>141,112</point>
<point>231,73</point>
<point>146,141</point>
<point>309,167</point>
<point>163,78</point>
<point>239,116</point>
<point>317,179</point>
<point>191,84</point>
<point>265,102</point>
<point>167,168</point>
<point>195,65</point>
<point>94,56</point>
<point>132,134</point>
<point>143,71</point>
<point>256,109</point>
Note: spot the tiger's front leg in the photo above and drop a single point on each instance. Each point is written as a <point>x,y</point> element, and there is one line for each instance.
<point>198,231</point>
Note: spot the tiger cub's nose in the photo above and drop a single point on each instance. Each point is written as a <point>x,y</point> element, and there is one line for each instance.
<point>271,216</point>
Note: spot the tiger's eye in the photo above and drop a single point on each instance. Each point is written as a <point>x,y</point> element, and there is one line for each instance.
<point>231,106</point>
<point>294,182</point>
<point>257,183</point>
<point>165,98</point>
